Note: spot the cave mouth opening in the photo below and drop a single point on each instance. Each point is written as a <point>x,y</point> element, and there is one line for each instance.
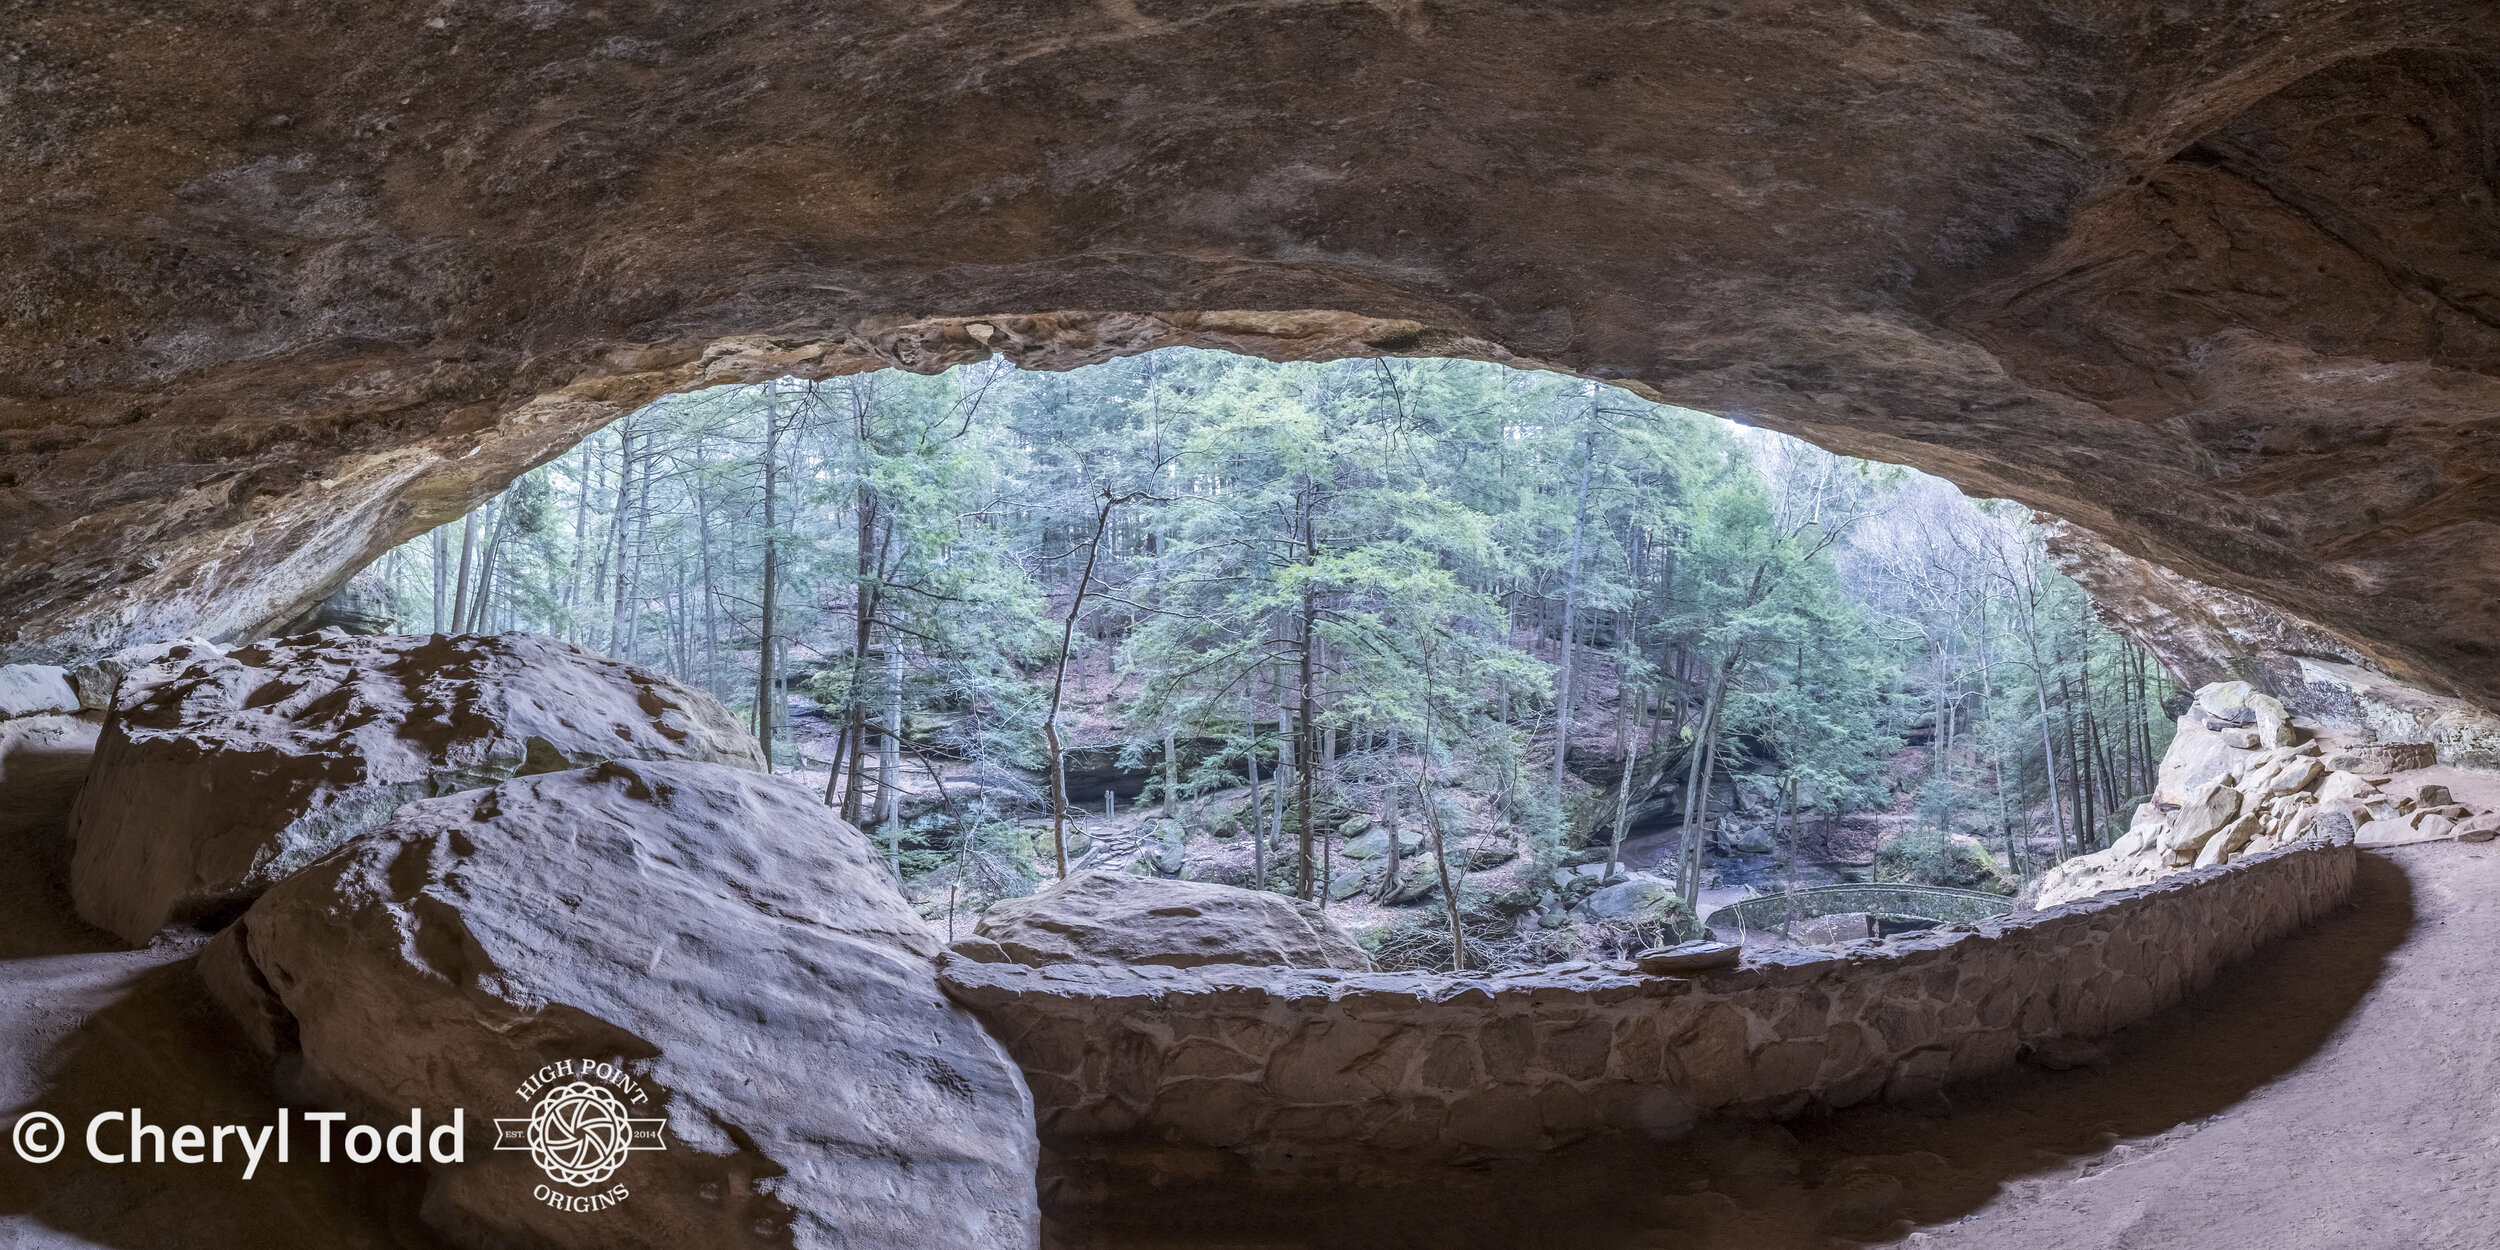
<point>1256,569</point>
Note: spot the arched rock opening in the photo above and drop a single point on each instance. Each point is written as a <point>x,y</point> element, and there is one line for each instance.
<point>2212,281</point>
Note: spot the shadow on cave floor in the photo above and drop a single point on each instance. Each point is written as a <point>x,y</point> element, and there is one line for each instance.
<point>2284,1093</point>
<point>87,1025</point>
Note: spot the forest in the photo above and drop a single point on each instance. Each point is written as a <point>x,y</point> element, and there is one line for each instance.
<point>1460,652</point>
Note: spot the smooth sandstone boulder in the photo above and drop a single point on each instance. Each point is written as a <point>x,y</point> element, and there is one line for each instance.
<point>1113,918</point>
<point>714,933</point>
<point>218,775</point>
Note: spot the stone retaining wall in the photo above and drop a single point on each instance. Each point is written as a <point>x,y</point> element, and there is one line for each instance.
<point>1298,1067</point>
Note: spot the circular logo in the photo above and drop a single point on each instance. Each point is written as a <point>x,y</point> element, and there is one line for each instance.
<point>579,1133</point>
<point>32,1131</point>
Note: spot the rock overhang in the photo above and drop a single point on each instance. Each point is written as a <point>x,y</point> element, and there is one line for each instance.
<point>2202,280</point>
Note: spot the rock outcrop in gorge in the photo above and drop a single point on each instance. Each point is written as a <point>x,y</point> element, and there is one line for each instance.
<point>727,943</point>
<point>2210,279</point>
<point>2244,776</point>
<point>1125,919</point>
<point>221,774</point>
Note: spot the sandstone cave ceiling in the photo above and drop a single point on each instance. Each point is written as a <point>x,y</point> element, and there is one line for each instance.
<point>2217,280</point>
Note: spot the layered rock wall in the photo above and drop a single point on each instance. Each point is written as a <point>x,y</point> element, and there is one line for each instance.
<point>2210,277</point>
<point>1298,1067</point>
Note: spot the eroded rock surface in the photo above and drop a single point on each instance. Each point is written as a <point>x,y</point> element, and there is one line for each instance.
<point>1121,918</point>
<point>714,932</point>
<point>221,773</point>
<point>2210,278</point>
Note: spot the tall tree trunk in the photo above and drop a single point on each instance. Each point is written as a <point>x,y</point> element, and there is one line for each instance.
<point>1171,777</point>
<point>1254,825</point>
<point>2048,725</point>
<point>1571,603</point>
<point>581,541</point>
<point>767,697</point>
<point>1388,888</point>
<point>1699,766</point>
<point>1432,824</point>
<point>479,615</point>
<point>642,547</point>
<point>2048,759</point>
<point>2151,764</point>
<point>460,599</point>
<point>1283,776</point>
<point>1059,683</point>
<point>618,533</point>
<point>890,748</point>
<point>1623,751</point>
<point>1305,765</point>
<point>865,602</point>
<point>442,579</point>
<point>2078,765</point>
<point>703,555</point>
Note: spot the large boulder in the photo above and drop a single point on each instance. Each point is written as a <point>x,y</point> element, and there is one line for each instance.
<point>217,778</point>
<point>726,960</point>
<point>1115,918</point>
<point>1641,900</point>
<point>1375,844</point>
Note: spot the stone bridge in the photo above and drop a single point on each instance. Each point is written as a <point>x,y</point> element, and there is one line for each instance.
<point>1930,902</point>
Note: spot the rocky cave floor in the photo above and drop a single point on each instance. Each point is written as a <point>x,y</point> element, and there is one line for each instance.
<point>2341,1089</point>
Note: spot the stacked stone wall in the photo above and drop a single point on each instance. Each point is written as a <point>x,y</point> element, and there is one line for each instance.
<point>1300,1067</point>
